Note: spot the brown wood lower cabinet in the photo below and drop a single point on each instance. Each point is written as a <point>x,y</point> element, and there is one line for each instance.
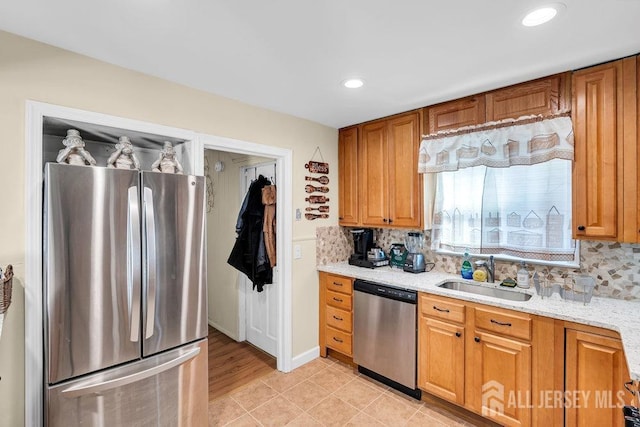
<point>595,372</point>
<point>499,378</point>
<point>476,356</point>
<point>441,347</point>
<point>519,369</point>
<point>336,309</point>
<point>512,367</point>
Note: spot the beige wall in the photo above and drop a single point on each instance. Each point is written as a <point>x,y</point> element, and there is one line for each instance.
<point>34,71</point>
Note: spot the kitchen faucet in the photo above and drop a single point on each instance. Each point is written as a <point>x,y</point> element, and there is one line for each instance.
<point>489,266</point>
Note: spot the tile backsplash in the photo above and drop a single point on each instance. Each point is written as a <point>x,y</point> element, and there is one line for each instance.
<point>614,266</point>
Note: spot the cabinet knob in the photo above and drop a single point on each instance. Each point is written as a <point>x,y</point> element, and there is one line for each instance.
<point>458,334</point>
<point>581,228</point>
<point>476,339</point>
<point>340,218</point>
<point>384,220</point>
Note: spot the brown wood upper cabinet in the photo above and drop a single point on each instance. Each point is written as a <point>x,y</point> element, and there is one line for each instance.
<point>546,97</point>
<point>605,177</point>
<point>389,186</point>
<point>348,176</point>
<point>455,114</point>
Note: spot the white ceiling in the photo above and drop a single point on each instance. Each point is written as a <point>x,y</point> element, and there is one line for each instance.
<point>291,55</point>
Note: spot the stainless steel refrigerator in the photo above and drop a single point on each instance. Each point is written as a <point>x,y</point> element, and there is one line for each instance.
<point>124,298</point>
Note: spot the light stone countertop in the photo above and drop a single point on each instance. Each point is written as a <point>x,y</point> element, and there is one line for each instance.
<point>615,314</point>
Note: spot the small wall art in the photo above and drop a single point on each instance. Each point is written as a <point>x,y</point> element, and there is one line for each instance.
<point>319,189</point>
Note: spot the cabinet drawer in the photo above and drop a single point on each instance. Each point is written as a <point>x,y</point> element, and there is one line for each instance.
<point>339,319</point>
<point>339,284</point>
<point>504,323</point>
<point>339,300</point>
<point>338,340</point>
<point>442,308</point>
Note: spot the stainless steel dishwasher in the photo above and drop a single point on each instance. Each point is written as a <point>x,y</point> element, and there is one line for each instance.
<point>384,334</point>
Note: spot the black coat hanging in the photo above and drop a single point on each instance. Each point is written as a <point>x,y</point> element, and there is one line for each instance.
<point>249,254</point>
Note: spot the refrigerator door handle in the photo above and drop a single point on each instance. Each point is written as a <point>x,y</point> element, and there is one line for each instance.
<point>150,222</point>
<point>133,262</point>
<point>82,389</point>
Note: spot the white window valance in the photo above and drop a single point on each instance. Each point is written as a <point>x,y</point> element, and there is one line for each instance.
<point>502,145</point>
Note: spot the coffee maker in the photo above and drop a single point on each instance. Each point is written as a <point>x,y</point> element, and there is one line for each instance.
<point>364,253</point>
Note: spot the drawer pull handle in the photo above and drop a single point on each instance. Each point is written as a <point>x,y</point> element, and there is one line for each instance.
<point>337,299</point>
<point>476,339</point>
<point>458,334</point>
<point>500,323</point>
<point>337,283</point>
<point>444,310</point>
<point>338,318</point>
<point>338,340</point>
<point>627,384</point>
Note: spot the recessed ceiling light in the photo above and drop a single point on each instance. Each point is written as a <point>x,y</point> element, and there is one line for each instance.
<point>542,14</point>
<point>353,83</point>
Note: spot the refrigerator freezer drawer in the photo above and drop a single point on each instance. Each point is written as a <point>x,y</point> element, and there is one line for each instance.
<point>168,389</point>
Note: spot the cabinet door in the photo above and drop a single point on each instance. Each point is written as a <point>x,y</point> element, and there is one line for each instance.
<point>373,174</point>
<point>441,359</point>
<point>595,123</point>
<point>405,184</point>
<point>631,179</point>
<point>595,371</point>
<point>456,114</point>
<point>499,385</point>
<point>348,176</point>
<point>546,97</point>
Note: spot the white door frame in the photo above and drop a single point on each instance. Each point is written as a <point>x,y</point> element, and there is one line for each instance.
<point>33,304</point>
<point>284,224</point>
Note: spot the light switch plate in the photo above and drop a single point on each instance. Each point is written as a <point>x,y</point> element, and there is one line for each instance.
<point>297,252</point>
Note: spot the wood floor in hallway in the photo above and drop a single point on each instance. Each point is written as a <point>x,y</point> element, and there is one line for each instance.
<point>233,364</point>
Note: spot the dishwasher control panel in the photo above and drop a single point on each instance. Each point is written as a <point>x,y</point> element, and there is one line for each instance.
<point>405,295</point>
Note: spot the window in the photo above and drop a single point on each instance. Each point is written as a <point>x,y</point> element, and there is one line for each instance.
<point>504,189</point>
<point>519,211</point>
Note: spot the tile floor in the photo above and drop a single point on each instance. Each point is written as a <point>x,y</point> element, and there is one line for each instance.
<point>323,392</point>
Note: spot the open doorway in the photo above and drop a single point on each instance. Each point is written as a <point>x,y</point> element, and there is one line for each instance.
<point>225,159</point>
<point>234,307</point>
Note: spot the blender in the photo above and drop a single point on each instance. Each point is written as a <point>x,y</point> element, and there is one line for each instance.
<point>414,263</point>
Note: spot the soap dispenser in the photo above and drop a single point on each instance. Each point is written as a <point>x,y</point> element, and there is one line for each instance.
<point>467,269</point>
<point>523,276</point>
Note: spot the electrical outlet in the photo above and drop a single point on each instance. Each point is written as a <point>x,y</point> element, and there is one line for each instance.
<point>297,252</point>
<point>298,214</point>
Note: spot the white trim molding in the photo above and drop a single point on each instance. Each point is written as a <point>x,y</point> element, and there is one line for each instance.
<point>306,357</point>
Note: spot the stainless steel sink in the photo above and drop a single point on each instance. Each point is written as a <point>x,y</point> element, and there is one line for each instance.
<point>483,290</point>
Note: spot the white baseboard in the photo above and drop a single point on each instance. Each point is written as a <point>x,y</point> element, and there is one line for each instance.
<point>305,357</point>
<point>223,330</point>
